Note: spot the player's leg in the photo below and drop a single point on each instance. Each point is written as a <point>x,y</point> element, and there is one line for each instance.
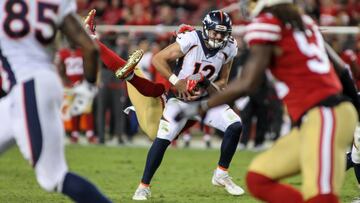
<point>325,137</point>
<point>113,62</point>
<point>6,134</point>
<point>354,155</point>
<point>226,120</point>
<point>40,137</point>
<point>168,130</point>
<point>266,169</point>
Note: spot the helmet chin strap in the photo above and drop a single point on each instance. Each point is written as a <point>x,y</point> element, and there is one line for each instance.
<point>214,45</point>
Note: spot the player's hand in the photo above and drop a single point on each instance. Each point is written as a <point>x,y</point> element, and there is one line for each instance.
<point>181,88</point>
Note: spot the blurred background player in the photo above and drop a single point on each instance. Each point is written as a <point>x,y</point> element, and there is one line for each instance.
<point>291,46</point>
<point>30,112</point>
<point>71,71</point>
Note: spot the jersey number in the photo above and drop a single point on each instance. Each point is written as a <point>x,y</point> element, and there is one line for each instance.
<point>208,68</point>
<point>16,24</point>
<point>318,61</point>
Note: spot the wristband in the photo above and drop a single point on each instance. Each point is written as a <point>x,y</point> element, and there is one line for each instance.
<point>173,79</point>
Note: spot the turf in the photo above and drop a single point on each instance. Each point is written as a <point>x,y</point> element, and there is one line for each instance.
<point>183,177</point>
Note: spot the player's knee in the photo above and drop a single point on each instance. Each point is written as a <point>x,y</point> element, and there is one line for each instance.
<point>355,156</point>
<point>164,131</point>
<point>50,183</point>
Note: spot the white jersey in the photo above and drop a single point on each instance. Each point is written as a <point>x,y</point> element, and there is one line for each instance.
<point>198,58</point>
<point>27,32</point>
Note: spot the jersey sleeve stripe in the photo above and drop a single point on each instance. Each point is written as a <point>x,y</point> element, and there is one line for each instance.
<point>265,36</point>
<point>263,26</point>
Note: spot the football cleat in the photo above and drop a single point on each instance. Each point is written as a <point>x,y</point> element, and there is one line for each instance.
<point>124,72</point>
<point>142,193</point>
<point>89,22</point>
<point>224,180</point>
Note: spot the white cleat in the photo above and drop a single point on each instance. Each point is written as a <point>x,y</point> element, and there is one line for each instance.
<point>142,193</point>
<point>225,180</point>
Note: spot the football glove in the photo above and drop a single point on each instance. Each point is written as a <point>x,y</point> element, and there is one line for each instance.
<point>184,28</point>
<point>84,94</point>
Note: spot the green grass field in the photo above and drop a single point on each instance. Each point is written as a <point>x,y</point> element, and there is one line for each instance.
<point>185,175</point>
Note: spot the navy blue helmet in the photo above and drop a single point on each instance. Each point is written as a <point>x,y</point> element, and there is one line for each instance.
<point>219,21</point>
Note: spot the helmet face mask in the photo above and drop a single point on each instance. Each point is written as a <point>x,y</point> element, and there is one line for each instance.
<point>217,27</point>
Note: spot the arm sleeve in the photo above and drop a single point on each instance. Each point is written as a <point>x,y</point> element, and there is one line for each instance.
<point>265,29</point>
<point>186,40</point>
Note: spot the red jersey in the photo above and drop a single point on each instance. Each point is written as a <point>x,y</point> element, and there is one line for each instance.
<point>302,71</point>
<point>73,61</point>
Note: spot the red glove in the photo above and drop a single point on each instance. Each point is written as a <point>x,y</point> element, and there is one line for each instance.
<point>184,28</point>
<point>192,83</point>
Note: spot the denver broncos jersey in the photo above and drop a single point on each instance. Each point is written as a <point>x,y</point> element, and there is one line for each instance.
<point>27,32</point>
<point>302,71</point>
<point>198,58</point>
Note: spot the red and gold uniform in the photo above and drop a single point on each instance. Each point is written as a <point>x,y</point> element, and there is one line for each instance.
<point>73,62</point>
<point>309,87</point>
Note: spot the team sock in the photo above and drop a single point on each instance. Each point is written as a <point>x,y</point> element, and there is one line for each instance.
<point>229,144</point>
<point>111,60</point>
<point>269,190</point>
<point>154,158</point>
<point>146,87</point>
<point>81,190</point>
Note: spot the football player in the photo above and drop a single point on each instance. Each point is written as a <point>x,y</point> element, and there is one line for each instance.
<point>207,53</point>
<point>30,112</point>
<point>290,45</point>
<point>210,53</point>
<point>71,71</point>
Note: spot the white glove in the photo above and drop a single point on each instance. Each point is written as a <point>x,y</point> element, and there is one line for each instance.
<point>84,94</point>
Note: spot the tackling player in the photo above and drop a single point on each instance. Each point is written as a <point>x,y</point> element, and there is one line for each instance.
<point>30,112</point>
<point>291,46</point>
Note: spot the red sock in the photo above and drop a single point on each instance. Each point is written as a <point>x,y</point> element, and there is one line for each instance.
<point>328,198</point>
<point>110,58</point>
<point>271,191</point>
<point>146,87</point>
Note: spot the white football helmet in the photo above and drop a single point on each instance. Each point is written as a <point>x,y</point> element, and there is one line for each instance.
<point>252,8</point>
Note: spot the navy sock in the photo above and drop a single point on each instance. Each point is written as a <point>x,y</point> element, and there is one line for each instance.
<point>229,144</point>
<point>81,190</point>
<point>154,158</point>
<point>357,172</point>
<point>349,162</point>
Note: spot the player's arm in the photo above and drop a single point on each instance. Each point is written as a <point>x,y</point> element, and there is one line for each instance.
<point>224,75</point>
<point>75,32</point>
<point>249,80</point>
<point>343,73</point>
<point>161,62</point>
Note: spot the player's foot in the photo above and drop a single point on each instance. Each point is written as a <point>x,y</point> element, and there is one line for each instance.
<point>225,180</point>
<point>74,139</point>
<point>92,139</point>
<point>128,69</point>
<point>142,193</point>
<point>89,22</point>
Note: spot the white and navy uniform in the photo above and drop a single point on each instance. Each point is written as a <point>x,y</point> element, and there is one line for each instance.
<point>30,113</point>
<point>198,58</point>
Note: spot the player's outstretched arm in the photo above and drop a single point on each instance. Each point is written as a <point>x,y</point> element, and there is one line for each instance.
<point>249,79</point>
<point>75,32</point>
<point>343,73</point>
